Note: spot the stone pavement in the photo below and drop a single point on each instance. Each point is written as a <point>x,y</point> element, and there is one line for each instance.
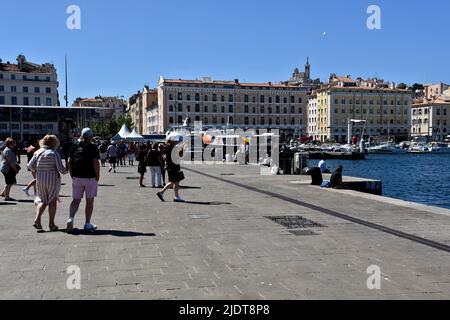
<point>222,246</point>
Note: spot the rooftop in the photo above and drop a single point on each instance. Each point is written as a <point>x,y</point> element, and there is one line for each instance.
<point>26,67</point>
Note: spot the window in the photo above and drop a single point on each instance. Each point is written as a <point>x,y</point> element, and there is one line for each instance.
<point>300,100</point>
<point>188,97</point>
<point>180,107</point>
<point>230,108</point>
<point>13,77</point>
<point>197,108</point>
<point>180,119</point>
<point>285,111</point>
<point>37,90</point>
<point>48,90</point>
<point>262,99</point>
<point>170,96</point>
<point>14,101</point>
<point>13,89</point>
<point>246,98</point>
<point>270,121</point>
<point>262,109</point>
<point>197,97</point>
<point>230,98</point>
<point>188,108</point>
<point>292,99</point>
<point>245,109</point>
<point>2,88</point>
<point>205,98</point>
<point>285,100</point>
<point>2,100</point>
<point>270,99</point>
<point>438,112</point>
<point>344,101</point>
<point>206,109</point>
<point>246,121</point>
<point>47,79</point>
<point>1,75</point>
<point>214,108</point>
<point>223,120</point>
<point>25,89</point>
<point>171,120</point>
<point>300,110</point>
<point>292,109</point>
<point>48,101</point>
<point>214,97</point>
<point>278,109</point>
<point>36,78</point>
<point>262,121</point>
<point>223,109</point>
<point>336,101</point>
<point>277,99</point>
<point>222,98</point>
<point>171,108</point>
<point>180,96</point>
<point>26,101</point>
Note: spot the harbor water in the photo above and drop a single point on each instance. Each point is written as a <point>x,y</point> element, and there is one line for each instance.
<point>420,178</point>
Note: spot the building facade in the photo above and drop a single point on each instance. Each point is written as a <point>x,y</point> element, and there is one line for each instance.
<point>106,108</point>
<point>27,84</point>
<point>313,133</point>
<point>431,118</point>
<point>385,110</point>
<point>222,104</point>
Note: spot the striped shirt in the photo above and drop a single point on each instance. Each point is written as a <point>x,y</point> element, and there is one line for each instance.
<point>47,160</point>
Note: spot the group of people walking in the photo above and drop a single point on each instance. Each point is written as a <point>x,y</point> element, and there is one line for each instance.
<point>83,165</point>
<point>83,162</point>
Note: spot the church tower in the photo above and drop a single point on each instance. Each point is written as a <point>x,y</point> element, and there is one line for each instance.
<point>307,70</point>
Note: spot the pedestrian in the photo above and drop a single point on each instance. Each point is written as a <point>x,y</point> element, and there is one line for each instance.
<point>48,168</point>
<point>163,162</point>
<point>154,162</point>
<point>31,150</point>
<point>142,166</point>
<point>9,168</point>
<point>65,148</point>
<point>122,153</point>
<point>103,153</point>
<point>131,154</point>
<point>112,155</point>
<point>173,170</point>
<point>84,168</point>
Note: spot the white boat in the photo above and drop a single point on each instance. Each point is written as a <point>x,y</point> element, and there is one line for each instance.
<point>386,148</point>
<point>420,148</point>
<point>439,147</point>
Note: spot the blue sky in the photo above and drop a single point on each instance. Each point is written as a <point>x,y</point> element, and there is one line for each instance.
<point>123,45</point>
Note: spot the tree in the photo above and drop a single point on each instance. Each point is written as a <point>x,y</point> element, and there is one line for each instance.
<point>417,86</point>
<point>107,129</point>
<point>402,86</point>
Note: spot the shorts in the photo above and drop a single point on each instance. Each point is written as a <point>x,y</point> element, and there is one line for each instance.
<point>84,186</point>
<point>10,178</point>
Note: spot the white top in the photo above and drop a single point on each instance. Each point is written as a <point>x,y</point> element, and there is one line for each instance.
<point>323,166</point>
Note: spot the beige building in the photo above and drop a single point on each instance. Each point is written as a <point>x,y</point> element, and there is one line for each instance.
<point>108,108</point>
<point>221,104</point>
<point>385,109</point>
<point>431,117</point>
<point>27,84</point>
<point>433,91</point>
<point>143,110</point>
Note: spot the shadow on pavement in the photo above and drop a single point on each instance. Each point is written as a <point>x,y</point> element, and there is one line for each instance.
<point>7,204</point>
<point>211,203</point>
<point>189,187</point>
<point>115,233</point>
<point>106,185</point>
<point>25,201</point>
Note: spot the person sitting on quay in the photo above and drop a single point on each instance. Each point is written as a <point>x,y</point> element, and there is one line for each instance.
<point>336,179</point>
<point>323,166</point>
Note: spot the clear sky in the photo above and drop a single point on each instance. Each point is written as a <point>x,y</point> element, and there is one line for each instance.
<point>123,45</point>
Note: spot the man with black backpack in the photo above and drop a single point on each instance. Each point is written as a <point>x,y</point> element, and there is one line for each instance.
<point>84,168</point>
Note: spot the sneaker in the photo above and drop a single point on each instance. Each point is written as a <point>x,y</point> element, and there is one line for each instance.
<point>178,199</point>
<point>160,196</point>
<point>69,227</point>
<point>26,191</point>
<point>90,227</point>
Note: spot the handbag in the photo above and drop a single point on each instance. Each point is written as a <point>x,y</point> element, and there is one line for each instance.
<point>181,175</point>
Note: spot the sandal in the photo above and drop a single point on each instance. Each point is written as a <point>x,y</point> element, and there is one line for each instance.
<point>53,228</point>
<point>38,226</point>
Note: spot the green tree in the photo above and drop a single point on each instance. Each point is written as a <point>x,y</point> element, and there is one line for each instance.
<point>402,86</point>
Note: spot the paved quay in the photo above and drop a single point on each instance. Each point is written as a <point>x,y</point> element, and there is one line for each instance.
<point>221,245</point>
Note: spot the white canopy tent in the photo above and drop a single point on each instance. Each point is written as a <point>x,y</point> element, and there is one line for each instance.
<point>134,136</point>
<point>123,134</point>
